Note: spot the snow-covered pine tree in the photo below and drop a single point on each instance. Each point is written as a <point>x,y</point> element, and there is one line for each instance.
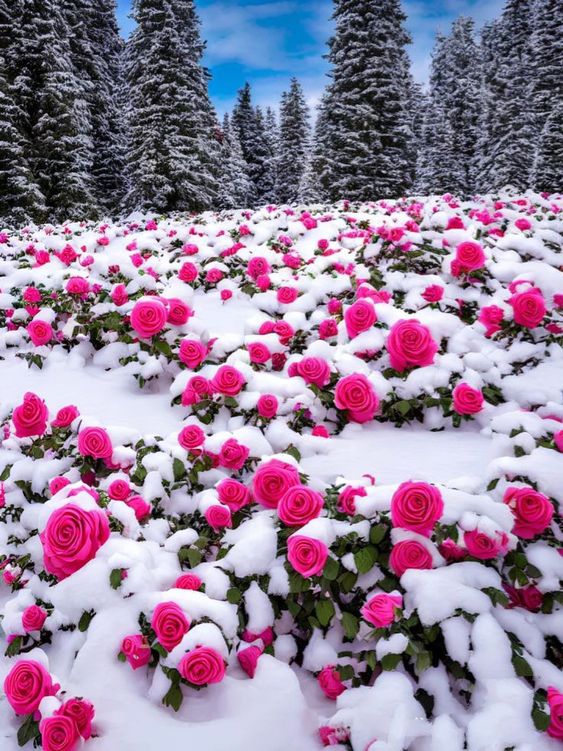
<point>367,119</point>
<point>266,177</point>
<point>546,91</point>
<point>172,154</point>
<point>315,181</point>
<point>294,143</point>
<point>507,141</point>
<point>234,185</point>
<point>20,197</point>
<point>438,167</point>
<point>273,138</point>
<point>248,123</point>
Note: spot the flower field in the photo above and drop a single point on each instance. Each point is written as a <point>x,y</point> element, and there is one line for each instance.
<point>284,479</point>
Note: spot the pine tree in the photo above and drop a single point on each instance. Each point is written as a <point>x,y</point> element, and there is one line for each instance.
<point>293,143</point>
<point>234,185</point>
<point>272,130</point>
<point>173,152</point>
<point>548,166</point>
<point>266,176</point>
<point>438,167</point>
<point>367,140</point>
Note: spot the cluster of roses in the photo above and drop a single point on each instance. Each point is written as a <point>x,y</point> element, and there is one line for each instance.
<point>57,722</point>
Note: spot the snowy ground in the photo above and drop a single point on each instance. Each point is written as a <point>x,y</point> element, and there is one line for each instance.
<point>510,440</point>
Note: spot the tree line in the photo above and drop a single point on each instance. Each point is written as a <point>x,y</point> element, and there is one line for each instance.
<point>92,126</point>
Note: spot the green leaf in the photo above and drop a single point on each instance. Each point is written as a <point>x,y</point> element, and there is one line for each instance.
<point>178,469</point>
<point>115,578</point>
<point>28,731</point>
<point>294,452</point>
<point>174,697</point>
<point>14,647</point>
<point>194,557</point>
<point>234,595</point>
<point>365,559</point>
<point>346,672</point>
<point>390,661</point>
<point>297,583</point>
<point>350,624</point>
<point>6,472</point>
<point>85,620</point>
<point>377,533</point>
<point>348,581</point>
<point>324,610</point>
<point>331,569</point>
<point>522,667</point>
<point>403,407</point>
<point>423,662</point>
<point>541,719</point>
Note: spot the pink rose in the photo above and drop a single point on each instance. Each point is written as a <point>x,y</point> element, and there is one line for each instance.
<point>267,406</point>
<point>481,546</point>
<point>192,353</point>
<point>191,437</point>
<point>532,511</point>
<point>346,499</point>
<point>188,272</point>
<point>30,417</point>
<point>558,440</point>
<point>523,224</point>
<point>233,454</point>
<point>490,316</point>
<point>119,490</point>
<point>287,295</point>
<point>197,389</point>
<point>328,328</point>
<point>218,517</point>
<point>202,666</point>
<point>469,256</point>
<point>409,554</point>
<point>77,285</point>
<point>257,266</point>
<point>330,682</point>
<point>248,659</point>
<point>140,507</point>
<point>169,624</point>
<point>148,317</point>
<point>58,733</point>
<point>81,712</point>
<point>433,293</point>
<point>555,701</point>
<point>381,610</point>
<point>355,394</point>
<point>299,505</point>
<point>189,582</point>
<point>467,400</point>
<point>137,650</point>
<point>272,480</point>
<point>26,685</point>
<point>258,353</point>
<point>40,332</point>
<point>95,442</point>
<point>71,538</point>
<point>119,295</point>
<point>528,308</point>
<point>410,344</point>
<point>58,483</point>
<point>233,494</point>
<point>306,555</point>
<point>178,311</point>
<point>65,416</point>
<point>359,317</point>
<point>33,618</point>
<point>313,370</point>
<point>228,381</point>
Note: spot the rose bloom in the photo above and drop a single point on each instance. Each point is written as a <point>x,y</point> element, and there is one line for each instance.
<point>169,623</point>
<point>218,517</point>
<point>233,494</point>
<point>410,344</point>
<point>381,609</point>
<point>119,295</point>
<point>137,650</point>
<point>148,317</point>
<point>267,406</point>
<point>192,353</point>
<point>467,400</point>
<point>248,659</point>
<point>58,733</point>
<point>469,256</point>
<point>228,381</point>
<point>31,294</point>
<point>416,506</point>
<point>330,682</point>
<point>555,701</point>
<point>95,442</point>
<point>30,417</point>
<point>532,511</point>
<point>33,618</point>
<point>313,370</point>
<point>558,440</point>
<point>271,481</point>
<point>191,437</point>
<point>287,295</point>
<point>528,308</point>
<point>233,454</point>
<point>202,666</point>
<point>58,483</point>
<point>433,293</point>
<point>258,353</point>
<point>481,546</point>
<point>71,538</point>
<point>76,285</point>
<point>328,328</point>
<point>306,555</point>
<point>140,507</point>
<point>65,416</point>
<point>189,582</point>
<point>40,332</point>
<point>26,685</point>
<point>178,311</point>
<point>257,266</point>
<point>346,499</point>
<point>409,554</point>
<point>299,505</point>
<point>355,394</point>
<point>284,330</point>
<point>119,490</point>
<point>490,316</point>
<point>82,714</point>
<point>188,272</point>
<point>359,317</point>
<point>197,389</point>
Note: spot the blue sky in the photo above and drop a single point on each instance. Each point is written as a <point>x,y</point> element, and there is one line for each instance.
<point>268,41</point>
